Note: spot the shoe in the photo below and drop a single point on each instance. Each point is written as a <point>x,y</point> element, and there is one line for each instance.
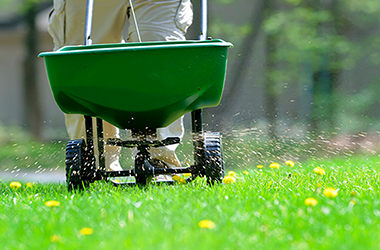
<point>115,166</point>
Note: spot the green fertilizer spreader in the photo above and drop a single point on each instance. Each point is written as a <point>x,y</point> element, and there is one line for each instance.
<point>138,85</point>
<point>141,87</point>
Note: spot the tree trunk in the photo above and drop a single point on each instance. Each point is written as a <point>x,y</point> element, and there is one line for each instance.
<point>247,47</point>
<point>237,75</point>
<point>322,117</point>
<point>269,86</point>
<point>32,106</point>
<point>325,79</point>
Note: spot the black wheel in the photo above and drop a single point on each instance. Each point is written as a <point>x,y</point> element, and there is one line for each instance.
<point>80,165</point>
<point>213,158</point>
<point>143,170</point>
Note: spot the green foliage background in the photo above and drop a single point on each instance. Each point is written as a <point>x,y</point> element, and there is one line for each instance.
<point>306,37</point>
<point>310,37</point>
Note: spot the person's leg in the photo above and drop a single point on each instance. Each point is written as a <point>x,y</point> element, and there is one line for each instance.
<point>163,20</point>
<point>66,26</point>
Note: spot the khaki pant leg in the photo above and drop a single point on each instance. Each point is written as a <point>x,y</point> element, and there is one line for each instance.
<point>163,20</point>
<point>66,26</point>
<point>158,20</point>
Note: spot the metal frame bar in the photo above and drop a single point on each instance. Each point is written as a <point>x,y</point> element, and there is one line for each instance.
<point>166,182</point>
<point>196,115</point>
<point>147,143</point>
<point>157,171</point>
<point>100,132</point>
<point>135,20</point>
<point>197,130</point>
<point>88,22</point>
<point>89,134</point>
<point>203,35</point>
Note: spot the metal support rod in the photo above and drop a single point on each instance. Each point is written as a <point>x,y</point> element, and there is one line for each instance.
<point>203,35</point>
<point>196,120</point>
<point>197,129</point>
<point>157,171</point>
<point>181,170</point>
<point>135,20</point>
<point>88,22</point>
<point>118,173</point>
<point>148,143</point>
<point>89,134</point>
<point>131,184</point>
<point>100,132</point>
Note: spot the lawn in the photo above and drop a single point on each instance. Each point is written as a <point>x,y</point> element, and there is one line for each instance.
<point>264,209</point>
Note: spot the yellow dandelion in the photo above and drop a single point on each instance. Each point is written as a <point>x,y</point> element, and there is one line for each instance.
<point>319,171</point>
<point>186,175</point>
<point>290,163</point>
<point>352,203</point>
<point>52,203</point>
<point>206,224</point>
<point>229,179</point>
<point>86,231</point>
<point>246,172</point>
<point>175,177</point>
<point>231,173</point>
<point>182,181</point>
<point>178,179</point>
<point>55,238</point>
<point>15,184</point>
<point>259,166</point>
<point>29,184</point>
<point>353,193</point>
<point>330,192</point>
<point>274,165</point>
<point>311,202</point>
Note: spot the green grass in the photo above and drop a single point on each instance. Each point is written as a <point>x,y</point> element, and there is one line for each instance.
<point>32,155</point>
<point>262,210</point>
<point>18,150</point>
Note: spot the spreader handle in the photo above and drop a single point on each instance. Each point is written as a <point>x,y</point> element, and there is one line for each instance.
<point>203,35</point>
<point>88,22</point>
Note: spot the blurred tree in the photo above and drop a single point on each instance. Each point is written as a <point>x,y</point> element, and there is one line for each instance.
<point>32,108</point>
<point>314,33</point>
<point>304,37</point>
<point>242,62</point>
<point>26,11</point>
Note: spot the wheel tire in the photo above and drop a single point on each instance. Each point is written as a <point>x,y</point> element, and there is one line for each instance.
<point>80,165</point>
<point>213,157</point>
<point>143,172</point>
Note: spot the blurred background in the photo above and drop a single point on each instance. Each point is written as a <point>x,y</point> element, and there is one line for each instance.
<point>301,71</point>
